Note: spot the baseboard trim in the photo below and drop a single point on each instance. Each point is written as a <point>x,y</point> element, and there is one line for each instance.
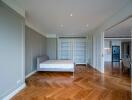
<point>96,68</point>
<point>8,97</point>
<point>30,74</point>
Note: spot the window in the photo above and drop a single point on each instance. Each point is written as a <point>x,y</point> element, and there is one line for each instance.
<point>72,48</point>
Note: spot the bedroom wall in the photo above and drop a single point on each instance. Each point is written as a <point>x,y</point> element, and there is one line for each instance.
<point>35,45</point>
<point>107,51</point>
<point>52,48</point>
<point>11,50</point>
<point>98,52</point>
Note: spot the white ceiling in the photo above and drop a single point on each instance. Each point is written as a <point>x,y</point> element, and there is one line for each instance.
<point>49,15</point>
<point>122,30</point>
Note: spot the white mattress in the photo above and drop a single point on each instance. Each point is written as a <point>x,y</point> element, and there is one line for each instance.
<point>66,64</point>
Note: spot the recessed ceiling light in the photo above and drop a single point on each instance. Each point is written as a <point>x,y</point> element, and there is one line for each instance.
<point>71,14</point>
<point>61,25</point>
<point>87,25</point>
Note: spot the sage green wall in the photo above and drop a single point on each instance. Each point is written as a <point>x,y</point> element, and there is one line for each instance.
<point>35,45</point>
<point>52,48</point>
<point>11,50</point>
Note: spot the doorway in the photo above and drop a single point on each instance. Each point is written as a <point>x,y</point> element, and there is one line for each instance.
<point>117,49</point>
<point>115,53</point>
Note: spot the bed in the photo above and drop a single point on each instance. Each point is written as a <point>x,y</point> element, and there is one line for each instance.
<point>44,64</point>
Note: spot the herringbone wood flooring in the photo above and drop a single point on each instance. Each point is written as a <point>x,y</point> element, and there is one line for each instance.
<point>87,84</point>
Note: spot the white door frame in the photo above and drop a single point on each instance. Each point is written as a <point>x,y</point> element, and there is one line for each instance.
<point>94,51</point>
<point>102,52</point>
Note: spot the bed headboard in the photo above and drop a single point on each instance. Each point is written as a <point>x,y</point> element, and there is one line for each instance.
<point>41,59</point>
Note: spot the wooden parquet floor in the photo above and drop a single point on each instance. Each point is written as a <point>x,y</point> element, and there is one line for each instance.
<point>87,84</point>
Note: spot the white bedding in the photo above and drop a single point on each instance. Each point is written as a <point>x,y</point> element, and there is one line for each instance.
<point>57,65</point>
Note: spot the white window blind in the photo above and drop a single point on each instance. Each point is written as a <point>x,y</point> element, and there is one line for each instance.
<point>79,51</point>
<point>72,48</point>
<point>65,49</point>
